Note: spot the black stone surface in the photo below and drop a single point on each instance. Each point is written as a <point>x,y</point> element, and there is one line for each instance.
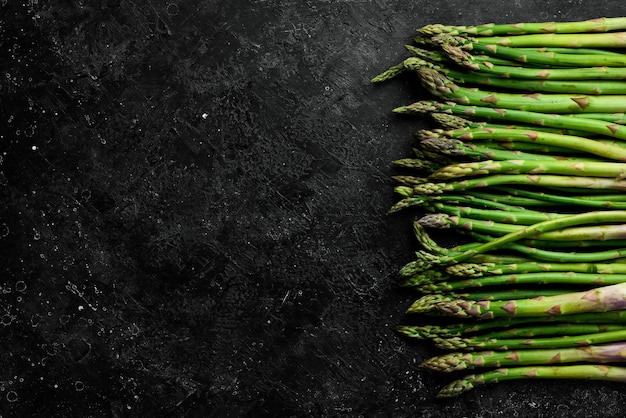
<point>193,212</point>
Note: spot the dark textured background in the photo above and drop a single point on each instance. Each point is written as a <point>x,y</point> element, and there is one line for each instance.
<point>193,211</point>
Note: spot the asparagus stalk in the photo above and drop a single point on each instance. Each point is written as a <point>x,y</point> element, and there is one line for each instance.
<point>409,180</point>
<point>429,262</point>
<point>585,372</point>
<point>456,47</point>
<point>449,199</point>
<point>426,261</point>
<point>580,122</point>
<point>513,179</point>
<point>417,164</point>
<point>606,298</point>
<point>618,118</point>
<point>468,328</point>
<point>428,303</point>
<point>432,59</point>
<point>439,57</point>
<point>603,197</point>
<point>525,217</point>
<point>533,230</point>
<point>532,73</point>
<point>588,87</point>
<point>572,245</point>
<point>490,269</point>
<point>511,199</point>
<point>565,50</point>
<point>550,151</point>
<point>603,149</point>
<point>554,330</point>
<point>585,40</point>
<point>441,86</point>
<point>450,362</point>
<point>505,344</point>
<point>449,122</point>
<point>609,203</point>
<point>556,256</point>
<point>475,252</point>
<point>492,29</point>
<point>480,151</point>
<point>487,330</point>
<point>559,278</point>
<point>594,169</point>
<point>445,221</point>
<point>488,203</point>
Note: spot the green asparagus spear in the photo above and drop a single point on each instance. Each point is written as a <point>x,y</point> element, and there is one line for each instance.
<point>565,50</point>
<point>513,179</point>
<point>585,372</point>
<point>603,202</point>
<point>449,122</point>
<point>505,344</point>
<point>606,298</point>
<point>439,57</point>
<point>512,199</point>
<point>481,151</point>
<point>597,217</point>
<point>521,217</point>
<point>587,87</point>
<point>558,278</point>
<point>594,169</point>
<point>450,362</point>
<point>591,146</point>
<point>580,122</point>
<point>482,327</point>
<point>603,24</point>
<point>554,330</point>
<point>428,302</point>
<point>538,254</point>
<point>457,46</point>
<point>490,269</point>
<point>579,40</point>
<point>441,86</point>
<point>484,151</point>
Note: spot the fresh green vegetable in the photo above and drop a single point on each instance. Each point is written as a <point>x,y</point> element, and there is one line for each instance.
<point>584,372</point>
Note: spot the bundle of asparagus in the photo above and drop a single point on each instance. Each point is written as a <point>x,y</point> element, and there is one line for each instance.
<point>527,163</point>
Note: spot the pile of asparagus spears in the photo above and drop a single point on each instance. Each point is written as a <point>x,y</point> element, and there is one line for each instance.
<point>526,159</point>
